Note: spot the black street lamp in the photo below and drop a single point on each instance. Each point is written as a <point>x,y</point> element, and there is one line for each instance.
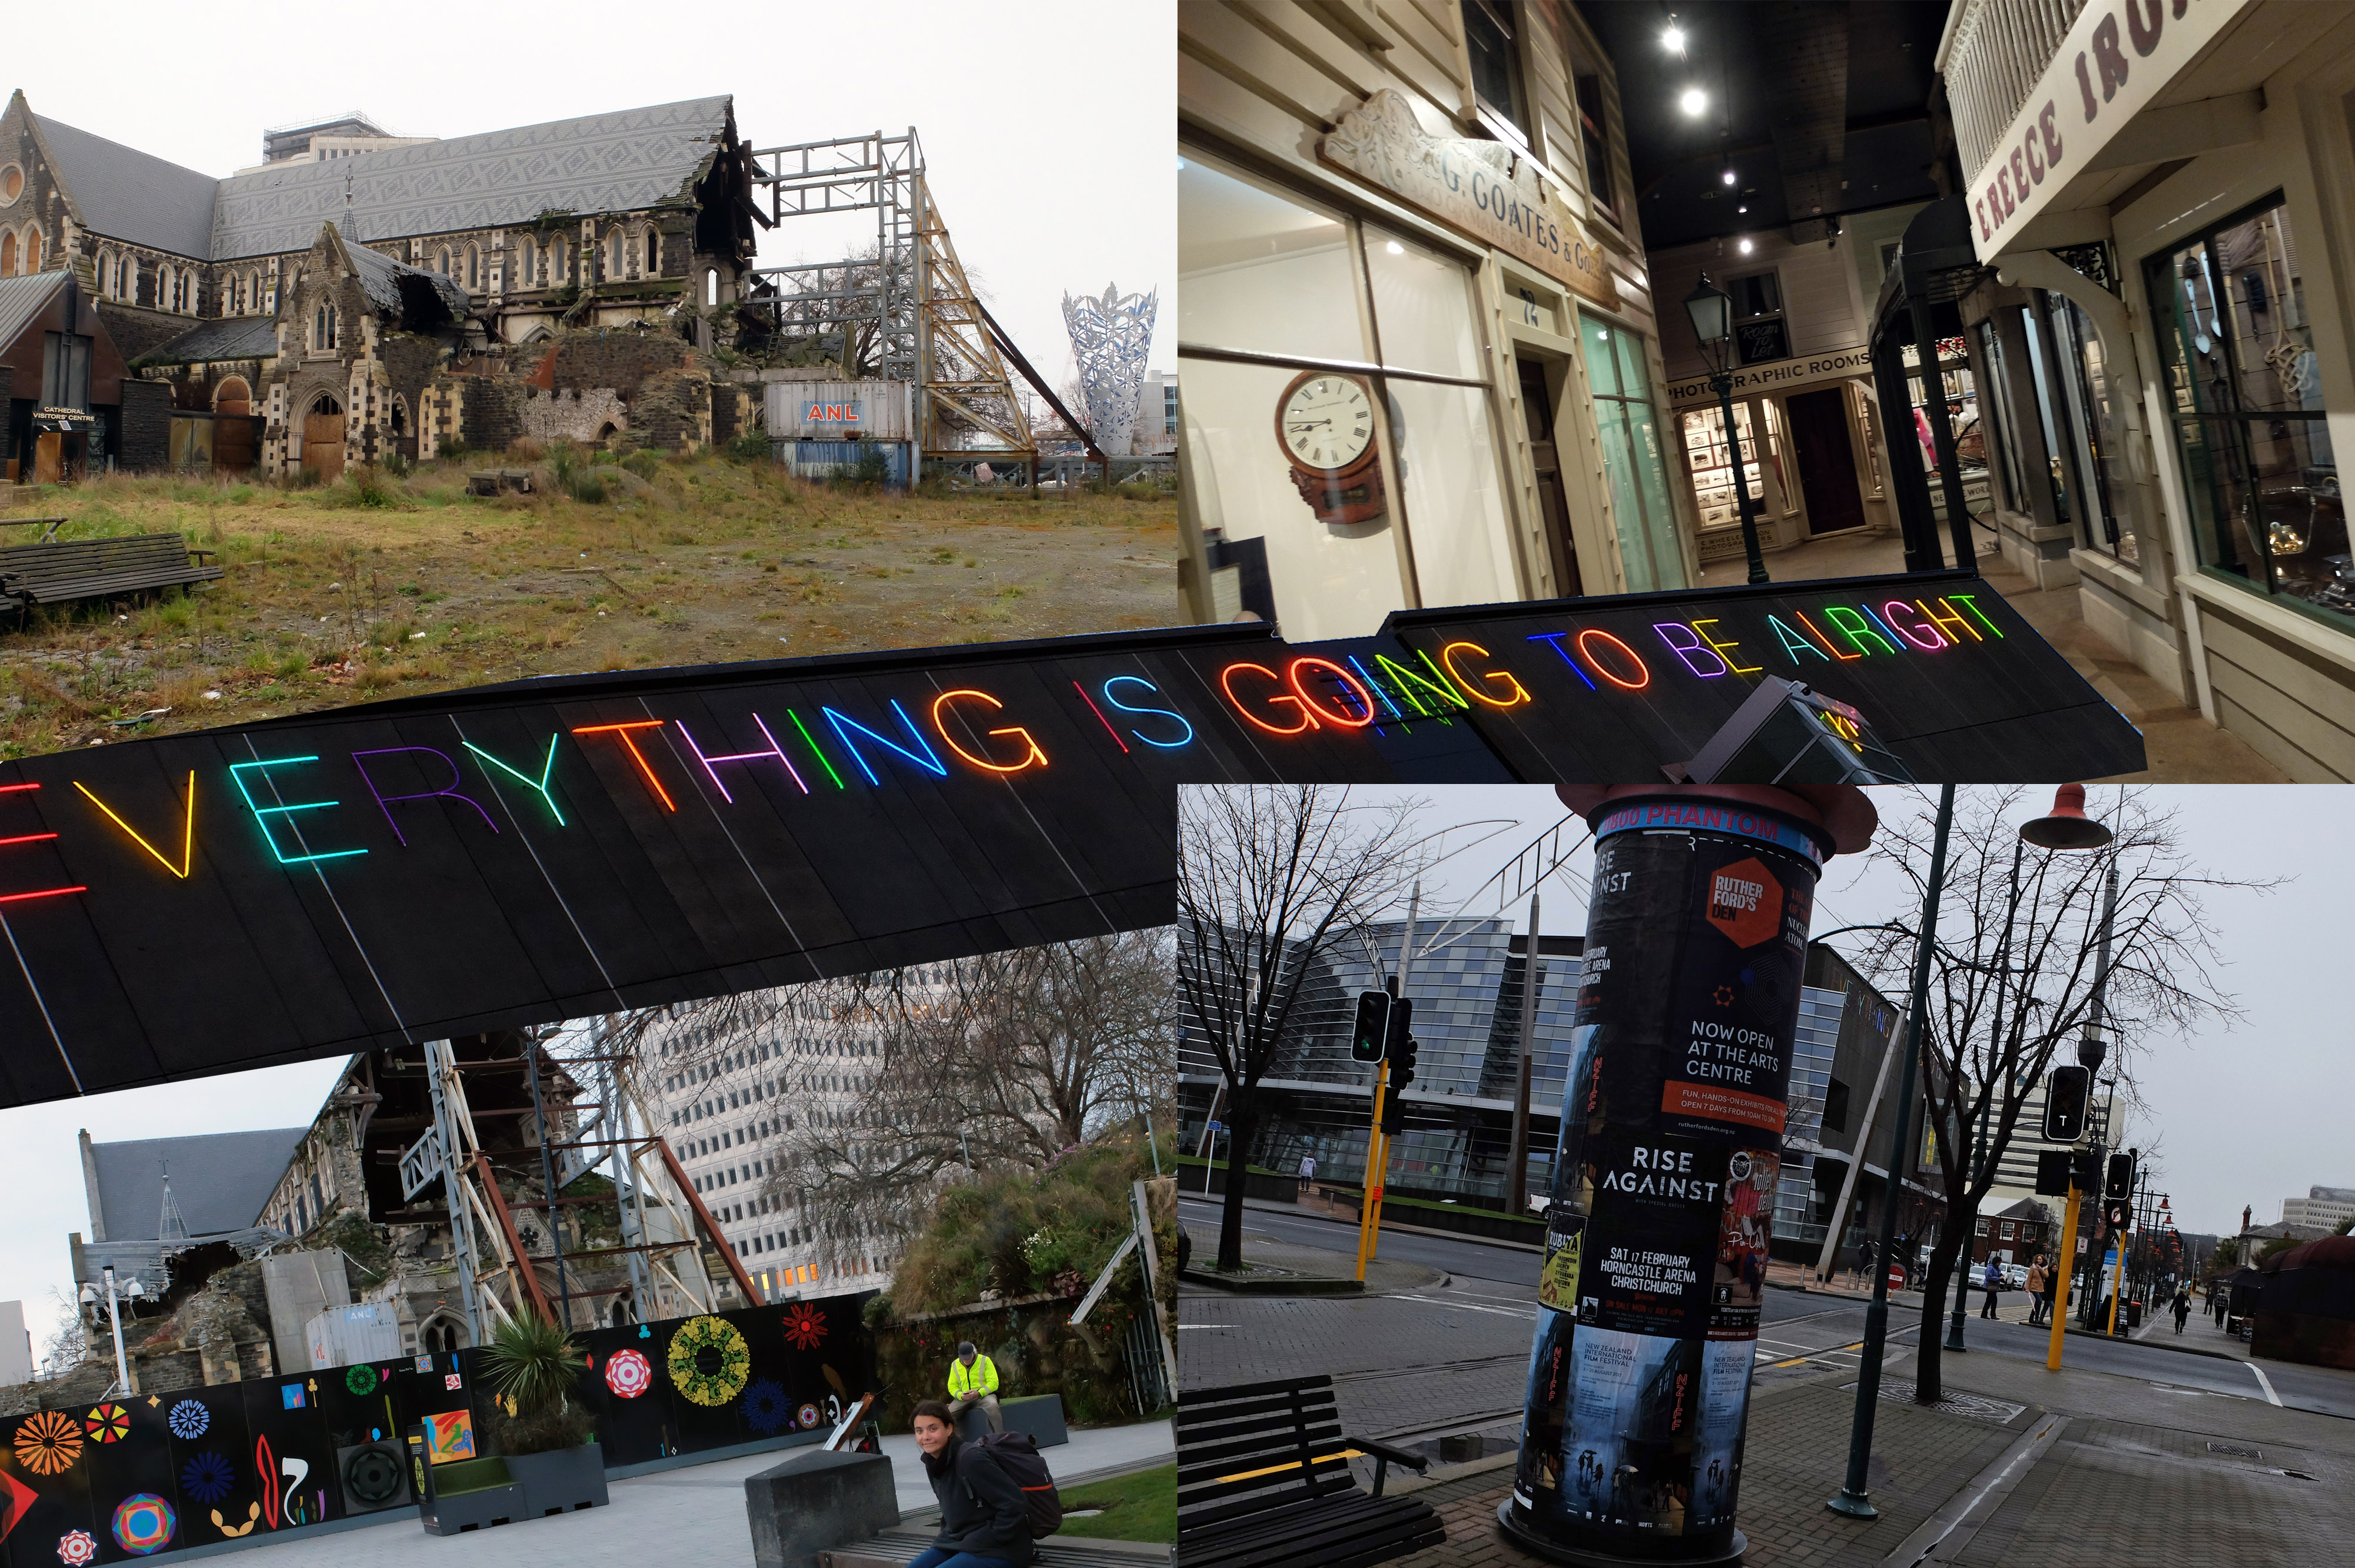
<point>1712,320</point>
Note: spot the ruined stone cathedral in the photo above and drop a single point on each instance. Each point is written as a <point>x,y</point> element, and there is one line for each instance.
<point>359,295</point>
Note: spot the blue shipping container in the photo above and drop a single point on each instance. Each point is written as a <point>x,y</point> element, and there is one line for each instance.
<point>830,459</point>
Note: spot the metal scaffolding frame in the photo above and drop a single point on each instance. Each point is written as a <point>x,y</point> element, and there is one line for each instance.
<point>910,307</point>
<point>499,1277</point>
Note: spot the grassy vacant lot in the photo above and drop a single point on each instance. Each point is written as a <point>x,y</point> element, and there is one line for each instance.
<point>1140,1506</point>
<point>383,585</point>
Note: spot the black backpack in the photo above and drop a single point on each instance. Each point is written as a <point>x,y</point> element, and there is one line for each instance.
<point>1013,1453</point>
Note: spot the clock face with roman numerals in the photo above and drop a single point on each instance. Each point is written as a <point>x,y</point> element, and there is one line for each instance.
<point>1326,422</point>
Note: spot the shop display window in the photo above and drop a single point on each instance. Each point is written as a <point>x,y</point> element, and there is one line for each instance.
<point>2096,430</point>
<point>1335,385</point>
<point>2259,474</point>
<point>1712,462</point>
<point>1633,459</point>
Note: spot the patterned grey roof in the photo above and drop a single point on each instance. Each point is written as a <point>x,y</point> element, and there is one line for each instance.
<point>23,298</point>
<point>231,338</point>
<point>599,163</point>
<point>220,1180</point>
<point>125,194</point>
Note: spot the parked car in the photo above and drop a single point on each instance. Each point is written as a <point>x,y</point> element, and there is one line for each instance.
<point>2014,1276</point>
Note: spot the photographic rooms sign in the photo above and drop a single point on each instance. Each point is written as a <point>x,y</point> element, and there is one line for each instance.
<point>552,848</point>
<point>2118,56</point>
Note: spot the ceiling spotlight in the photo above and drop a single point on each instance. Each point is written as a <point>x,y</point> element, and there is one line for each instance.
<point>1674,38</point>
<point>1693,101</point>
<point>1741,209</point>
<point>1745,247</point>
<point>1728,176</point>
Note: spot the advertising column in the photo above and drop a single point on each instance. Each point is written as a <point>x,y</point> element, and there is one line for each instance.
<point>1664,1179</point>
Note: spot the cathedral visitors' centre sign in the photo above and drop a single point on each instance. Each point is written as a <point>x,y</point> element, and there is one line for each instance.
<point>1484,189</point>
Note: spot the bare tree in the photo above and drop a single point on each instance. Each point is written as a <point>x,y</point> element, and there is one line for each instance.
<point>1010,1058</point>
<point>1272,881</point>
<point>2012,980</point>
<point>68,1342</point>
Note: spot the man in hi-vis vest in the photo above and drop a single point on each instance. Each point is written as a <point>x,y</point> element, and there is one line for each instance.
<point>973,1380</point>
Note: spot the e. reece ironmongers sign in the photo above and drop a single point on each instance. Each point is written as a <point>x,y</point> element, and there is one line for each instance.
<point>551,849</point>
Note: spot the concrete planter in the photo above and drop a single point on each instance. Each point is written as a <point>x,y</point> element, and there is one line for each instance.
<point>562,1481</point>
<point>492,1496</point>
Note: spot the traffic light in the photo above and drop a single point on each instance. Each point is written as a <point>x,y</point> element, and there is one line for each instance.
<point>2121,1182</point>
<point>1400,1048</point>
<point>2085,1167</point>
<point>2052,1172</point>
<point>1373,1026</point>
<point>1393,1113</point>
<point>2065,1097</point>
<point>2113,1215</point>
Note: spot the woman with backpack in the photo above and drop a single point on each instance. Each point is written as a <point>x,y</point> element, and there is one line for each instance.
<point>984,1522</point>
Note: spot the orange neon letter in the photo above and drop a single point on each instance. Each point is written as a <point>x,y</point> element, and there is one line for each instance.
<point>1226,684</point>
<point>1520,694</point>
<point>622,733</point>
<point>1356,689</point>
<point>188,829</point>
<point>1032,757</point>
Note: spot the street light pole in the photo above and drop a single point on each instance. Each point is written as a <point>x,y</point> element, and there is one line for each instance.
<point>1852,1498</point>
<point>1712,312</point>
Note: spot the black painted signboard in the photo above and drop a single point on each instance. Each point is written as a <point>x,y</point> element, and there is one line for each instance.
<point>524,853</point>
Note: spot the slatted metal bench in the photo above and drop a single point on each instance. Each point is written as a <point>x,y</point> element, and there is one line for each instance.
<point>898,1547</point>
<point>1263,1481</point>
<point>63,571</point>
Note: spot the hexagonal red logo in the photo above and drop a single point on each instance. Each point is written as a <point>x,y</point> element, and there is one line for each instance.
<point>1745,902</point>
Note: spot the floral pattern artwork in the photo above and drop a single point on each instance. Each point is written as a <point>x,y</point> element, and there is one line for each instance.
<point>107,1424</point>
<point>77,1547</point>
<point>765,1406</point>
<point>807,1416</point>
<point>48,1443</point>
<point>360,1379</point>
<point>709,1360</point>
<point>804,1326</point>
<point>628,1373</point>
<point>207,1478</point>
<point>190,1420</point>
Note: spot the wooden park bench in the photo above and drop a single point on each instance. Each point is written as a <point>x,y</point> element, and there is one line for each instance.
<point>1264,1480</point>
<point>61,571</point>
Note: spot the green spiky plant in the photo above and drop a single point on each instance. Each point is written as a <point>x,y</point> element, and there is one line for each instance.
<point>532,1365</point>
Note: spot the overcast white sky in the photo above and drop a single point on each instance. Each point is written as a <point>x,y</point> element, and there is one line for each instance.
<point>2250,1115</point>
<point>1047,126</point>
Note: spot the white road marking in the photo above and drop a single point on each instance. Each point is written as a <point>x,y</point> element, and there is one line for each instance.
<point>2264,1381</point>
<point>1467,1307</point>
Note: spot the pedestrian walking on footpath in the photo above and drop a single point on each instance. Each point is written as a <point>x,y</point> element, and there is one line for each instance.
<point>2182,1309</point>
<point>1307,1171</point>
<point>2038,1285</point>
<point>1991,1280</point>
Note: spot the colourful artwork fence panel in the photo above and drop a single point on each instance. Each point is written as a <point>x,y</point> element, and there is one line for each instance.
<point>149,1475</point>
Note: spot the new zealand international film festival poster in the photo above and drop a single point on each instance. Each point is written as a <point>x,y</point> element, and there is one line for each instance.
<point>1664,1188</point>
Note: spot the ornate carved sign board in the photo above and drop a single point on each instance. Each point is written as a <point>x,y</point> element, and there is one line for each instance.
<point>2118,56</point>
<point>524,853</point>
<point>1483,189</point>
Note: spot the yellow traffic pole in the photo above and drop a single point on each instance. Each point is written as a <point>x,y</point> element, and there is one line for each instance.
<point>1377,1157</point>
<point>2061,1285</point>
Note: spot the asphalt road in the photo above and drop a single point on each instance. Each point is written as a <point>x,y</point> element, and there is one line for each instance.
<point>1802,1332</point>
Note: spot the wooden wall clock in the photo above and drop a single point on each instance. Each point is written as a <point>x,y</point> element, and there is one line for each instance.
<point>1325,423</point>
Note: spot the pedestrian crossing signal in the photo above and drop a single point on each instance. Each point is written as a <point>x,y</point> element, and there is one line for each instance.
<point>1372,1033</point>
<point>2065,1097</point>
